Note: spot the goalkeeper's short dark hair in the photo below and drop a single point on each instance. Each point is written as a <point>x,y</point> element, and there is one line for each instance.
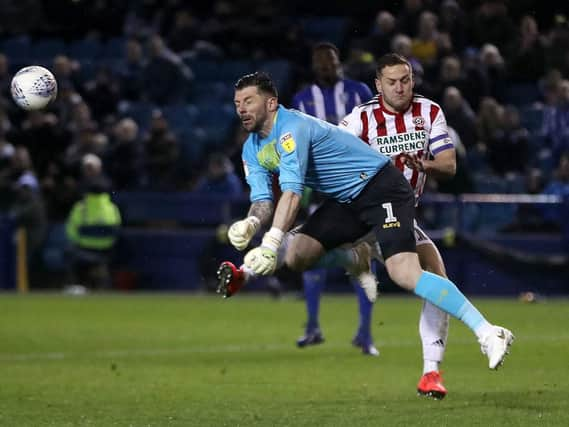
<point>261,80</point>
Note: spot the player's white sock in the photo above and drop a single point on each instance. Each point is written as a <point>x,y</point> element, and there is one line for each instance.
<point>433,328</point>
<point>430,366</point>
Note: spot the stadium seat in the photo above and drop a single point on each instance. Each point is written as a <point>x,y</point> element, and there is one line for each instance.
<point>17,48</point>
<point>532,118</point>
<point>331,29</point>
<point>114,48</point>
<point>216,71</point>
<point>516,183</point>
<point>217,120</point>
<point>193,146</point>
<point>46,49</point>
<point>180,117</point>
<point>204,92</point>
<point>280,71</point>
<point>520,94</point>
<point>487,183</point>
<point>54,252</point>
<point>141,112</point>
<point>84,49</point>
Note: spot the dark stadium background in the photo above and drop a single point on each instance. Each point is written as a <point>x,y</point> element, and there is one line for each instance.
<point>498,245</point>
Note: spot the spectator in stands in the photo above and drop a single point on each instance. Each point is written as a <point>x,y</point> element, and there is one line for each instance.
<point>162,153</point>
<point>527,54</point>
<point>401,44</point>
<point>331,98</point>
<point>425,45</point>
<point>102,94</point>
<point>43,135</point>
<point>475,75</point>
<point>451,74</point>
<point>5,76</point>
<point>452,21</point>
<point>494,67</point>
<point>84,142</point>
<point>66,71</point>
<point>558,186</point>
<point>558,45</point>
<point>556,122</point>
<point>489,119</point>
<point>124,159</point>
<point>408,17</point>
<point>460,116</point>
<point>130,72</point>
<point>550,88</point>
<point>462,181</point>
<point>220,178</point>
<point>508,149</point>
<point>27,206</point>
<point>382,32</point>
<point>166,78</point>
<point>184,32</point>
<point>92,229</point>
<point>492,24</point>
<point>360,64</point>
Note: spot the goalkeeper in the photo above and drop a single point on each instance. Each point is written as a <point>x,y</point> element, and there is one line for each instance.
<point>365,193</point>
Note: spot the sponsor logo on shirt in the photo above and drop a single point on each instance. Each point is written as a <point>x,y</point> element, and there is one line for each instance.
<point>287,142</point>
<point>407,142</point>
<point>268,156</point>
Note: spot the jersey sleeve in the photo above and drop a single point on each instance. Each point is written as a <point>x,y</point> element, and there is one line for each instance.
<point>293,146</point>
<point>258,178</point>
<point>439,139</point>
<point>352,123</point>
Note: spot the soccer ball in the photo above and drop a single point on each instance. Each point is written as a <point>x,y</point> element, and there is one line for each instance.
<point>33,87</point>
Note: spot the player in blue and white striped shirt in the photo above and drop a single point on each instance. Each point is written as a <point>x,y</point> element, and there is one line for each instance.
<point>330,98</point>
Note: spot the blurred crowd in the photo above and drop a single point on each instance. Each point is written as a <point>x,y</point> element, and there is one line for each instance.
<point>501,76</point>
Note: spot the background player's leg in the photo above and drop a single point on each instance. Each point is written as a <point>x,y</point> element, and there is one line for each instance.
<point>313,283</point>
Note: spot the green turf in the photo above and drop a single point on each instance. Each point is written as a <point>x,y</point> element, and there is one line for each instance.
<point>182,360</point>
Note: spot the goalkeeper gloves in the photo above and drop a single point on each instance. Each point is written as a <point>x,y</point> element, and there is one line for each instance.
<point>263,259</point>
<point>241,232</point>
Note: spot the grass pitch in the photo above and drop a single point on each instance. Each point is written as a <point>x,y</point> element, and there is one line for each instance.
<point>186,360</point>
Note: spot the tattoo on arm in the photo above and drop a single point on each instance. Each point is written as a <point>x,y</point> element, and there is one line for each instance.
<point>262,210</point>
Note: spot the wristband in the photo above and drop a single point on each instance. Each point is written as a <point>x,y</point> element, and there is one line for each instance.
<point>273,238</point>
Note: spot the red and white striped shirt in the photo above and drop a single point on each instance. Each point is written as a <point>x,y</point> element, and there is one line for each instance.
<point>421,130</point>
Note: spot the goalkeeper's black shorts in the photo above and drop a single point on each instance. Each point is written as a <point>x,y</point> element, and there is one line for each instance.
<point>386,205</point>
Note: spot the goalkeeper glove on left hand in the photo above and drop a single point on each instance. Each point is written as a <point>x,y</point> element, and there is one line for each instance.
<point>241,232</point>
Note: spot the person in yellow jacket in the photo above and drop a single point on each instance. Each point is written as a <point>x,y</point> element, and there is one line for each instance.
<point>92,230</point>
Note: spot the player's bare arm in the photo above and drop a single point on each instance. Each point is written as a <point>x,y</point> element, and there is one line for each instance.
<point>287,210</point>
<point>262,210</point>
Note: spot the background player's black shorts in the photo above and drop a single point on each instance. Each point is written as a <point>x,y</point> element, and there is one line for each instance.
<point>386,205</point>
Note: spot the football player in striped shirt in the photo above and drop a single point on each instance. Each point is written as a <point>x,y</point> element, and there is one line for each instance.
<point>412,130</point>
<point>330,98</point>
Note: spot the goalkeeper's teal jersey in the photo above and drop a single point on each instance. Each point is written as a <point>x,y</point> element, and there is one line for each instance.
<point>305,151</point>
